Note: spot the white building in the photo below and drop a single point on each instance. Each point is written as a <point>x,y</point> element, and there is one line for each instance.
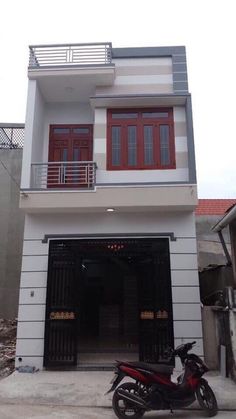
<point>109,191</point>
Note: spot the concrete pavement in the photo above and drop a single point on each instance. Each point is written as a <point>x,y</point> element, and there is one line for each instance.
<point>79,394</point>
<point>69,412</point>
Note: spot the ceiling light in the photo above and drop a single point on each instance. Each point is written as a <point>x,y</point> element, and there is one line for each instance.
<point>110,210</point>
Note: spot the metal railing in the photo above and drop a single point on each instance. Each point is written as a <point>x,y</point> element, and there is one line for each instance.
<point>11,135</point>
<point>75,175</point>
<point>66,55</point>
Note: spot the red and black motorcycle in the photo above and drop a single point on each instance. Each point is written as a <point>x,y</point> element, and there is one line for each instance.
<point>154,390</point>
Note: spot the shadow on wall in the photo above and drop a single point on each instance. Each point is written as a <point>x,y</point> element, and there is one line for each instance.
<point>11,227</point>
<point>212,282</point>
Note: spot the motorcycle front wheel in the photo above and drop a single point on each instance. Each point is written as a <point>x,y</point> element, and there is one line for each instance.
<point>123,408</point>
<point>206,398</point>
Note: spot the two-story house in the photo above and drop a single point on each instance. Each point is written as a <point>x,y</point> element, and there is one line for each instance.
<point>109,191</point>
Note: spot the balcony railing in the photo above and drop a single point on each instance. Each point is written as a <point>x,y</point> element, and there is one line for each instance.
<point>67,55</point>
<point>63,175</point>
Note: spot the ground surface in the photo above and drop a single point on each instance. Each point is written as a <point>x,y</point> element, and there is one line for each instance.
<point>77,394</point>
<point>69,412</point>
<point>7,347</point>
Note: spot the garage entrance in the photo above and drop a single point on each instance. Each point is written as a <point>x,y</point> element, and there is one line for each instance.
<point>108,299</point>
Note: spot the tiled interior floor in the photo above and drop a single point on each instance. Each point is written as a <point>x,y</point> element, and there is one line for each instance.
<point>106,358</point>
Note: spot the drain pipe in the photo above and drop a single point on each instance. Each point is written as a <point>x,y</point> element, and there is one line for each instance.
<point>227,255</point>
<point>230,216</point>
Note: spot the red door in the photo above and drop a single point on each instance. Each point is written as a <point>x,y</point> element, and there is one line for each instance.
<point>69,144</point>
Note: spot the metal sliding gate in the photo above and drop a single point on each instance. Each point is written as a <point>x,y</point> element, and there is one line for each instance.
<point>61,308</point>
<point>156,319</point>
<point>154,312</point>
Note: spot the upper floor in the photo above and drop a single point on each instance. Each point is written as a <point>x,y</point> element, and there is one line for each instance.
<point>102,120</point>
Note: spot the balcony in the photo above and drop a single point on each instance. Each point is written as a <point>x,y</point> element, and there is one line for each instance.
<point>69,55</point>
<point>63,175</point>
<point>71,73</point>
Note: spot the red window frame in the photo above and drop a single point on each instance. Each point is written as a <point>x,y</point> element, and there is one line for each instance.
<point>140,122</point>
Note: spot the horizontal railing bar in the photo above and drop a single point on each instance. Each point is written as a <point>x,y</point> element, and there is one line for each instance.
<point>109,44</point>
<point>92,56</point>
<point>89,50</point>
<point>64,163</point>
<point>76,62</point>
<point>75,52</point>
<point>53,51</point>
<point>53,54</point>
<point>11,125</point>
<point>81,59</point>
<point>52,60</point>
<point>69,65</point>
<point>42,174</point>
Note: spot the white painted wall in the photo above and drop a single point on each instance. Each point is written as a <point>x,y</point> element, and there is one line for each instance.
<point>33,142</point>
<point>134,62</point>
<point>65,113</point>
<point>139,176</point>
<point>38,140</point>
<point>182,224</point>
<point>141,75</point>
<point>183,261</point>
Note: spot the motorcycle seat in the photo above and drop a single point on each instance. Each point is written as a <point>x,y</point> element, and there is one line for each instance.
<point>160,368</point>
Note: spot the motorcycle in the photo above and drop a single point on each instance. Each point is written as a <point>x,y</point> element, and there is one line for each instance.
<point>154,390</point>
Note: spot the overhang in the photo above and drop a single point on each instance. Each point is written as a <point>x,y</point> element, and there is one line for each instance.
<point>102,101</point>
<point>122,199</point>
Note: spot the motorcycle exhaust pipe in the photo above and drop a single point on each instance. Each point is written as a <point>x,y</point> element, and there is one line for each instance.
<point>136,400</point>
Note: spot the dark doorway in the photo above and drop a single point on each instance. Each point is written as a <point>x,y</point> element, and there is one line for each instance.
<point>108,297</point>
<point>108,323</point>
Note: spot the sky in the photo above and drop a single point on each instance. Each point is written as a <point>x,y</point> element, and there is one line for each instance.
<point>205,27</point>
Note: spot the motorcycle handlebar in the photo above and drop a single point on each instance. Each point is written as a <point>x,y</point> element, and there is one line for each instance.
<point>183,349</point>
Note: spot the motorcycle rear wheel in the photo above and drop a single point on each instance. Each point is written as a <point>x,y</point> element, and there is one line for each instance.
<point>124,409</point>
<point>206,398</point>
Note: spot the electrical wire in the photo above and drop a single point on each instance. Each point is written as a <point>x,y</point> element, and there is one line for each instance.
<point>12,178</point>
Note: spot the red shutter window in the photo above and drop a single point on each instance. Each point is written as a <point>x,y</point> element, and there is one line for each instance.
<point>132,146</point>
<point>165,145</point>
<point>116,146</point>
<point>148,145</point>
<point>140,139</point>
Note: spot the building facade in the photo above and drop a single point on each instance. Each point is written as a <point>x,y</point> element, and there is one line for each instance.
<point>108,189</point>
<point>207,214</point>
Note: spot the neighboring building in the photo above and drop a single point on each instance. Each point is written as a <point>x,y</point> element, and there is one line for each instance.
<point>11,217</point>
<point>229,221</point>
<point>109,193</point>
<point>210,250</point>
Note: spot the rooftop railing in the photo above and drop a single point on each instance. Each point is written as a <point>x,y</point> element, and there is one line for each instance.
<point>11,135</point>
<point>79,174</point>
<point>67,55</point>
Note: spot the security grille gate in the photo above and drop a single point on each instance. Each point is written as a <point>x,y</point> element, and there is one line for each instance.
<point>156,321</point>
<point>63,293</point>
<point>61,311</point>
